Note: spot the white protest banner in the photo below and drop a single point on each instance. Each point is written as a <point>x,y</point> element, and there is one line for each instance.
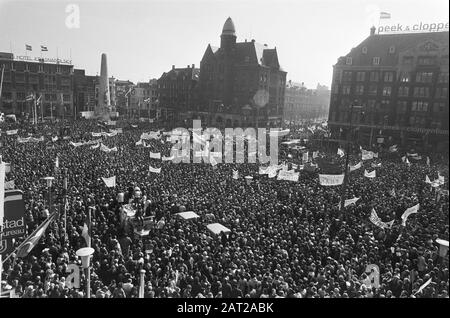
<point>376,165</point>
<point>167,158</point>
<point>441,179</point>
<point>235,174</point>
<point>155,155</point>
<point>110,182</point>
<point>12,132</point>
<point>54,138</point>
<point>427,180</point>
<point>315,154</point>
<point>95,146</point>
<point>340,152</point>
<point>288,175</point>
<point>377,221</point>
<point>96,134</point>
<point>263,170</point>
<point>23,140</point>
<point>366,155</point>
<point>154,170</point>
<point>10,185</point>
<point>428,282</point>
<point>356,167</point>
<point>305,157</point>
<point>331,179</point>
<point>393,148</point>
<point>350,201</point>
<point>369,174</point>
<point>408,212</point>
<point>151,135</point>
<point>76,144</point>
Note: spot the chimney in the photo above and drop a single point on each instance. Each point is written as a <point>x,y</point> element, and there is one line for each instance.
<point>193,65</point>
<point>372,30</point>
<point>245,40</point>
<point>173,67</point>
<point>253,40</point>
<point>265,45</point>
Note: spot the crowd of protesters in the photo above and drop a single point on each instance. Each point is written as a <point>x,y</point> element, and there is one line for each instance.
<point>287,240</point>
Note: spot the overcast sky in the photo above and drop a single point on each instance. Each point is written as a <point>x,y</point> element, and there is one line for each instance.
<point>145,38</point>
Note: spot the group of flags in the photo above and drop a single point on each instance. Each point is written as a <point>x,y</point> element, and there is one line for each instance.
<point>30,48</point>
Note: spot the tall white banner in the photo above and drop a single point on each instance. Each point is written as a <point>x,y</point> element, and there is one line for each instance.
<point>331,179</point>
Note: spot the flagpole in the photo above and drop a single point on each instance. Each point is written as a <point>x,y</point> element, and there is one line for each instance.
<point>32,234</point>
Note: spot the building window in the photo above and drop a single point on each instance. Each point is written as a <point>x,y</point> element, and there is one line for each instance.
<point>373,90</point>
<point>66,98</point>
<point>349,61</point>
<point>438,107</point>
<point>347,77</point>
<point>392,49</point>
<point>417,121</point>
<point>387,90</point>
<point>419,106</point>
<point>443,78</point>
<point>424,77</point>
<point>374,76</point>
<point>402,106</point>
<point>376,61</point>
<point>403,91</point>
<point>346,90</point>
<point>360,76</point>
<point>421,92</point>
<point>404,77</point>
<point>426,60</point>
<point>359,90</point>
<point>441,92</point>
<point>408,60</point>
<point>364,50</point>
<point>389,77</point>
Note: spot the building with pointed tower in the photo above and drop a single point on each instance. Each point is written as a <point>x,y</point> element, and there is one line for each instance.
<point>240,82</point>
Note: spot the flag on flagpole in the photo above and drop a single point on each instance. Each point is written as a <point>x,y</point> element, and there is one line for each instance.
<point>110,182</point>
<point>340,152</point>
<point>43,48</point>
<point>28,47</point>
<point>385,15</point>
<point>34,238</point>
<point>29,97</point>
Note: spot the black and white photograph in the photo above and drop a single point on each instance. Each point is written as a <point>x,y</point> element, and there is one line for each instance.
<point>220,156</point>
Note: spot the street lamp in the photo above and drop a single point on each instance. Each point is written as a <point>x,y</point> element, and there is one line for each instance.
<point>347,157</point>
<point>49,181</point>
<point>85,255</point>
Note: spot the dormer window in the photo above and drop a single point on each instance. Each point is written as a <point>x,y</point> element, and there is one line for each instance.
<point>376,61</point>
<point>349,61</point>
<point>392,49</point>
<point>364,50</point>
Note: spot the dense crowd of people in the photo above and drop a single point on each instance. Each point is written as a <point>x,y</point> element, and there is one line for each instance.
<point>287,239</point>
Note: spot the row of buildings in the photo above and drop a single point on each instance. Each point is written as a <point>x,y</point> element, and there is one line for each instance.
<point>237,83</point>
<point>393,89</point>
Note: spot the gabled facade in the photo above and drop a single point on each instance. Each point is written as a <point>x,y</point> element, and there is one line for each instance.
<point>231,75</point>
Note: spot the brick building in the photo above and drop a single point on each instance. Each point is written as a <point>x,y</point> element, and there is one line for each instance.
<point>50,79</point>
<point>302,104</point>
<point>177,91</point>
<point>232,74</point>
<point>401,82</point>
